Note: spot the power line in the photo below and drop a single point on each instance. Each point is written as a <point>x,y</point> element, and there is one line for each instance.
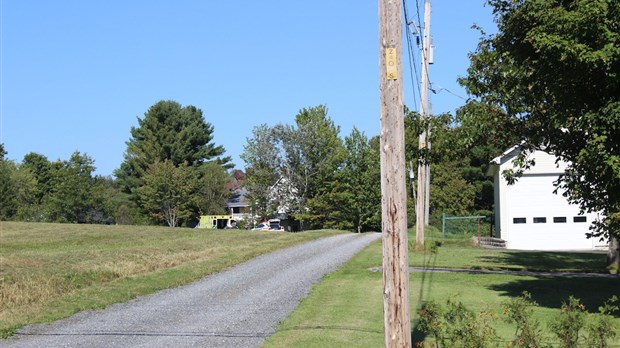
<point>411,56</point>
<point>413,71</point>
<point>417,9</point>
<point>436,91</point>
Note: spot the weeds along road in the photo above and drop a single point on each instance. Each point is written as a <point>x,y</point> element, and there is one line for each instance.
<point>236,308</point>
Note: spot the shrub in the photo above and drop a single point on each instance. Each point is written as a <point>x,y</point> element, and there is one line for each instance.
<point>569,322</point>
<point>456,326</point>
<point>601,330</point>
<point>573,319</point>
<point>519,311</point>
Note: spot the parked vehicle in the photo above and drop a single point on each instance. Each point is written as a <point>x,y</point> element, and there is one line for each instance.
<point>261,227</point>
<point>213,222</point>
<point>275,225</point>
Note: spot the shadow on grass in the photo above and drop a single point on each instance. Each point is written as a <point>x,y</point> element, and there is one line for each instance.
<point>417,335</point>
<point>550,292</point>
<point>430,261</point>
<point>547,261</point>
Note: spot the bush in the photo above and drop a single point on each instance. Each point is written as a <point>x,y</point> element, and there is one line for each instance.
<point>519,311</point>
<point>456,326</point>
<point>569,322</point>
<point>573,319</point>
<point>601,330</point>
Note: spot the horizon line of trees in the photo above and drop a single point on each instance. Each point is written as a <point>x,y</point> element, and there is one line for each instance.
<point>172,173</point>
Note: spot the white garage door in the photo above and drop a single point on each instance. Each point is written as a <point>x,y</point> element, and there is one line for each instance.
<point>541,220</point>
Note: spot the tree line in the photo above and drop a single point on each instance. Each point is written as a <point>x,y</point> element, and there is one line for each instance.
<point>171,174</point>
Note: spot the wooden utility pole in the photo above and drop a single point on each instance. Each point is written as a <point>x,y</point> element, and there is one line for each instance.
<point>393,188</point>
<point>423,172</point>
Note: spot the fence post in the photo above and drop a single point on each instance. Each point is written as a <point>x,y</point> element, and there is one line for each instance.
<point>478,220</point>
<point>443,224</point>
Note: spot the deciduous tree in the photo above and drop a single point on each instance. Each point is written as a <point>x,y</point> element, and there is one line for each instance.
<point>358,178</point>
<point>8,195</point>
<point>70,197</point>
<point>42,170</point>
<point>210,193</point>
<point>262,157</point>
<point>482,132</point>
<point>450,191</point>
<point>29,207</point>
<point>553,67</point>
<point>166,192</point>
<point>312,152</point>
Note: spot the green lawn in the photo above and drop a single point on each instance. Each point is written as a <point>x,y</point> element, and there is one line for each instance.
<point>51,271</point>
<point>451,256</point>
<point>346,308</point>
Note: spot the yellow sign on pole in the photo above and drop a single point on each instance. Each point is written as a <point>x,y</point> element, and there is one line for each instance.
<point>390,61</point>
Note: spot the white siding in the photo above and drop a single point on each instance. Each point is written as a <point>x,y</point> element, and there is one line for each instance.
<point>544,163</point>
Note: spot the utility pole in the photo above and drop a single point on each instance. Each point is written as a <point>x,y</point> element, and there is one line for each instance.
<point>412,180</point>
<point>428,166</point>
<point>423,171</point>
<point>393,185</point>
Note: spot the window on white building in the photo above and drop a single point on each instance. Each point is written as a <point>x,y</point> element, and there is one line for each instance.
<point>540,220</point>
<point>580,219</point>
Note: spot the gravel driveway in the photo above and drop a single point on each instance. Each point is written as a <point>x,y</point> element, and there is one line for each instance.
<point>236,308</point>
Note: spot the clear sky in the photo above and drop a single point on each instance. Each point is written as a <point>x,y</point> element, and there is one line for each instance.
<point>76,74</point>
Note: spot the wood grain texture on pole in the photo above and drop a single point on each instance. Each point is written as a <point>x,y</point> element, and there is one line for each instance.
<point>393,168</point>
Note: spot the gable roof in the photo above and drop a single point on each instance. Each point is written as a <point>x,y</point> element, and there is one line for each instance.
<point>506,155</point>
<point>544,162</point>
<point>238,198</point>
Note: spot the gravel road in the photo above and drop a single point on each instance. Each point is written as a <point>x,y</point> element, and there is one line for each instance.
<point>236,308</point>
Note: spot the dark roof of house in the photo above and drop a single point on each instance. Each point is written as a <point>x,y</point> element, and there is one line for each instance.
<point>238,198</point>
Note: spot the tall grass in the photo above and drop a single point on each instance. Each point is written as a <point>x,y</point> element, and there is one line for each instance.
<point>49,271</point>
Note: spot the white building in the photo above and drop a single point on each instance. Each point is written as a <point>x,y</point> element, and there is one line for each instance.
<point>529,216</point>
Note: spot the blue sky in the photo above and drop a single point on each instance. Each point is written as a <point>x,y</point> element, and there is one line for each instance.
<point>76,74</point>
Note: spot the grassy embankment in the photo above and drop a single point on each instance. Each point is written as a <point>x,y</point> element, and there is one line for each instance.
<point>50,271</point>
<point>346,308</point>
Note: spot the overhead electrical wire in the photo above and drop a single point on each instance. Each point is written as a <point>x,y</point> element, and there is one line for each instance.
<point>420,43</point>
<point>435,91</point>
<point>413,70</point>
<point>417,10</point>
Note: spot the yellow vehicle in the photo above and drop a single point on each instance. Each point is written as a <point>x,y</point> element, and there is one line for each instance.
<point>219,222</point>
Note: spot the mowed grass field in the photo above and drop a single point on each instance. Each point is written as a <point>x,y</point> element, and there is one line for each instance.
<point>51,271</point>
<point>346,308</point>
